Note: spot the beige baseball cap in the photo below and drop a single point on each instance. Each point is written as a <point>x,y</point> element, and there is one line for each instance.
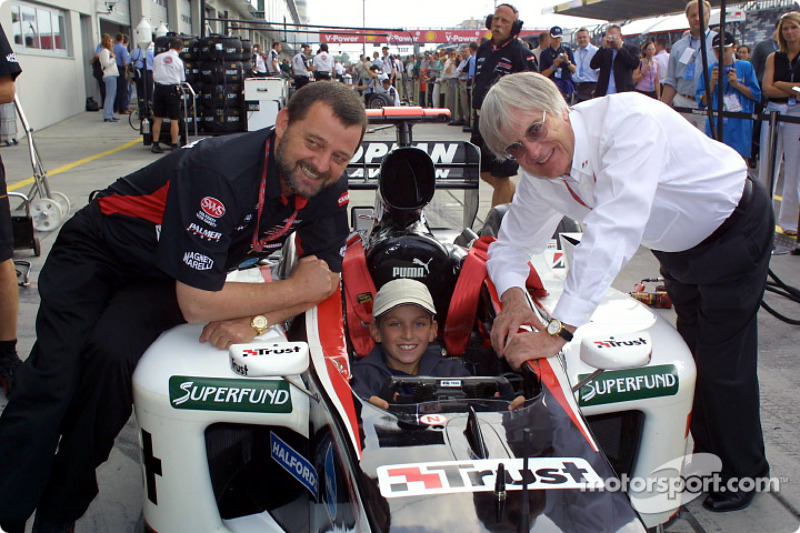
<point>402,291</point>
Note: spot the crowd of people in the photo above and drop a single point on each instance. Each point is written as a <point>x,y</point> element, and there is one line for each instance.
<point>115,74</point>
<point>141,257</point>
<point>445,78</point>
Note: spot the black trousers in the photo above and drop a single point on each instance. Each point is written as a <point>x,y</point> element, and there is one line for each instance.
<point>102,85</point>
<point>300,82</point>
<point>98,315</point>
<point>585,91</point>
<point>123,88</point>
<point>717,289</point>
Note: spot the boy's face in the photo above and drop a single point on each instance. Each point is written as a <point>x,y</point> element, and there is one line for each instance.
<point>405,332</point>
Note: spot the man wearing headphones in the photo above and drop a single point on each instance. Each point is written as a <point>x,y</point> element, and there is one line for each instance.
<point>503,54</point>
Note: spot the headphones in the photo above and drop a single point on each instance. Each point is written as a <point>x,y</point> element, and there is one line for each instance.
<point>516,27</point>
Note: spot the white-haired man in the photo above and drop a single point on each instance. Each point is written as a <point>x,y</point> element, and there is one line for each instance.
<point>636,173</point>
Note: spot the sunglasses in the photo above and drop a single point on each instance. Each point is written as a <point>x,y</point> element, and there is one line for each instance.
<point>536,132</point>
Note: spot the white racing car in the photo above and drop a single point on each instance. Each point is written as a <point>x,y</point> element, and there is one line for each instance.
<point>269,436</point>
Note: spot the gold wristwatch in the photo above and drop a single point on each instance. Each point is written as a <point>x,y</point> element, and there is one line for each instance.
<point>260,324</point>
<point>556,329</point>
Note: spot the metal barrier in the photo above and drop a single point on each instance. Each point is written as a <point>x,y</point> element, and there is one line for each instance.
<point>773,119</point>
<point>188,92</point>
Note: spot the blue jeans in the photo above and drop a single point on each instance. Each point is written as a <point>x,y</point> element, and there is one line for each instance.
<point>111,96</point>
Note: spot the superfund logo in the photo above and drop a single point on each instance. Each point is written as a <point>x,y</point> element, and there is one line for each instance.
<point>241,395</point>
<point>449,477</point>
<point>212,207</point>
<point>627,385</point>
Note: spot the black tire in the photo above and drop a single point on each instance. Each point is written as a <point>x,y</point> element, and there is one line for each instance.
<point>134,122</point>
<point>161,44</point>
<point>231,48</point>
<point>491,227</point>
<point>189,52</point>
<point>378,101</point>
<point>217,96</point>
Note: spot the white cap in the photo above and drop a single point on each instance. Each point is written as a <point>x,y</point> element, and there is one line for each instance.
<point>402,291</point>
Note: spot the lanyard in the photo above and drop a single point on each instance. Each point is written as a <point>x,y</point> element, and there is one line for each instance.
<point>575,196</point>
<point>299,203</point>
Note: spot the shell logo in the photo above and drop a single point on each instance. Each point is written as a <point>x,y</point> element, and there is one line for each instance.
<point>430,36</point>
<point>370,37</point>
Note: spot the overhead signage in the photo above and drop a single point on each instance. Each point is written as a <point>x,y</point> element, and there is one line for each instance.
<point>410,37</point>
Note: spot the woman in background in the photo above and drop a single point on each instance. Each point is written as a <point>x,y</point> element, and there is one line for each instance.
<point>781,76</point>
<point>110,77</point>
<point>646,78</point>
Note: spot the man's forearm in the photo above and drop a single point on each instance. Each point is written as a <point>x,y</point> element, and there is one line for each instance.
<point>7,89</point>
<point>282,299</point>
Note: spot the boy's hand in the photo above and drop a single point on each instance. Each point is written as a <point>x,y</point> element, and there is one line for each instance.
<point>378,402</point>
<point>516,403</point>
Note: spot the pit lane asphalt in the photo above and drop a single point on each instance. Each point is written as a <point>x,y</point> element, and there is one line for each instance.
<point>83,153</point>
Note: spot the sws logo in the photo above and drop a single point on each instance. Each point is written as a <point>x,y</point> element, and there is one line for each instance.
<point>449,477</point>
<point>212,207</point>
<point>611,343</point>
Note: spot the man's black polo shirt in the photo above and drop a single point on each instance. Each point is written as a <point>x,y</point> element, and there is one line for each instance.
<point>192,214</point>
<point>492,63</point>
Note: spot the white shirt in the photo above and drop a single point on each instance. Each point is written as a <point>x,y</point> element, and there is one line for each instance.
<point>299,65</point>
<point>646,175</point>
<point>108,63</point>
<point>273,64</point>
<point>583,72</point>
<point>323,62</point>
<point>168,68</point>
<point>260,66</point>
<point>387,65</point>
<point>662,58</point>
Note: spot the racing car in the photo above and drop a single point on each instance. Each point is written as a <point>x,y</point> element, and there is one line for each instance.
<point>269,436</point>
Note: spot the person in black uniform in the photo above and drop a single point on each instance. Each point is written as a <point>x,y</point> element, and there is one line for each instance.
<point>9,294</point>
<point>501,55</point>
<point>152,251</point>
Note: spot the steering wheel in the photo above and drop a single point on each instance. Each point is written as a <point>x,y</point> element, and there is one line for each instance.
<point>415,389</point>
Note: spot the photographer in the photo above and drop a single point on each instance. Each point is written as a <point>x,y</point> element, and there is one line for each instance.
<point>616,57</point>
<point>740,93</point>
<point>558,64</point>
